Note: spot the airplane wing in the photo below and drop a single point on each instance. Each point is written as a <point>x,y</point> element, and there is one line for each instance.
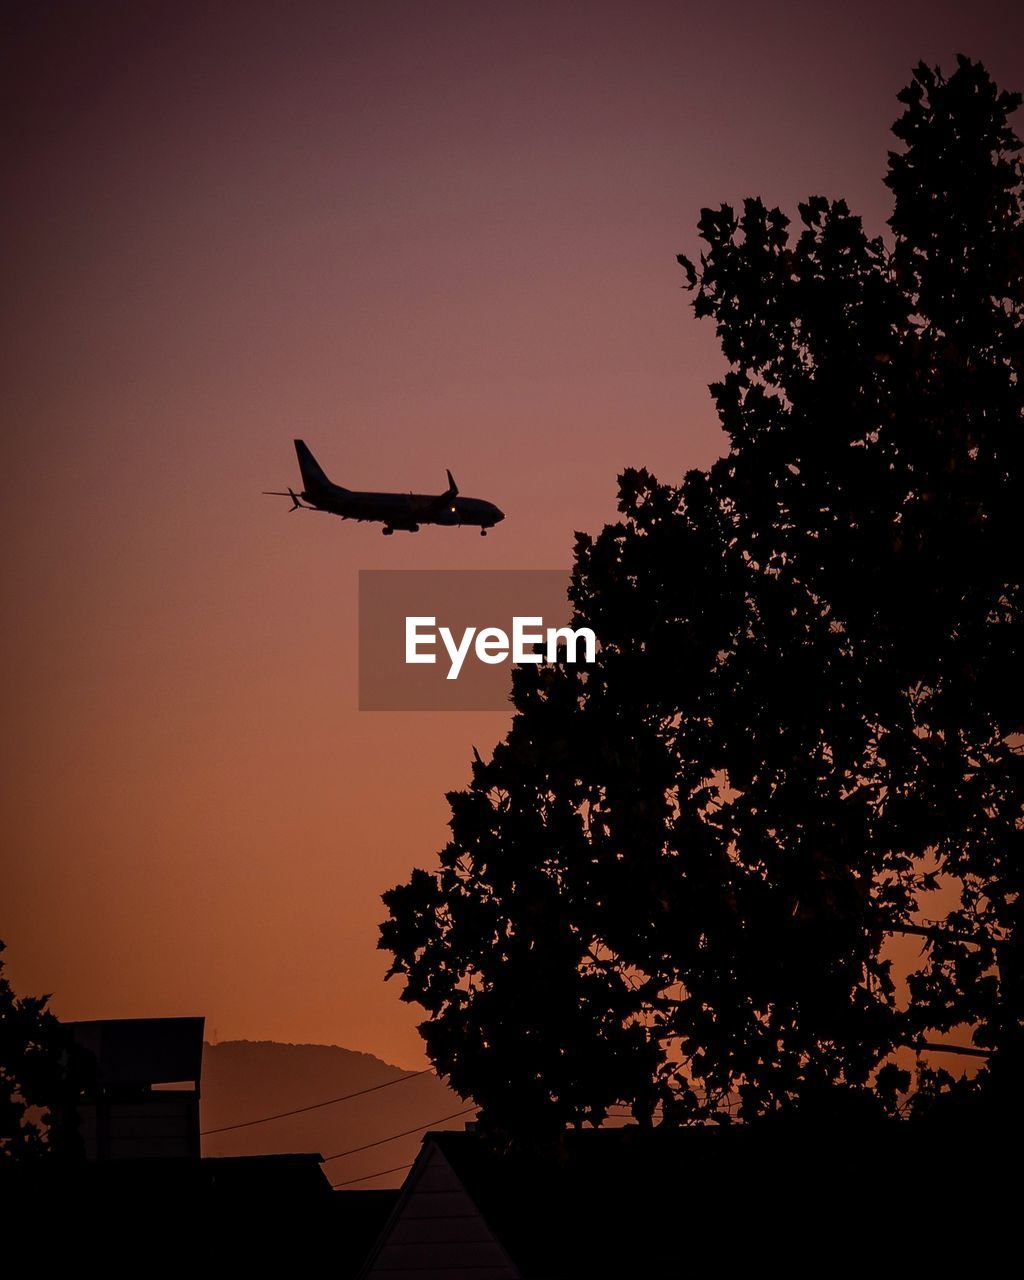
<point>443,499</point>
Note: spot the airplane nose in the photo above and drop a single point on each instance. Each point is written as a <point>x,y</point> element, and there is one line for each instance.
<point>499,515</point>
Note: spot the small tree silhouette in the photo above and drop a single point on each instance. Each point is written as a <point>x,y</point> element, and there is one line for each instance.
<point>672,884</point>
<point>41,1074</point>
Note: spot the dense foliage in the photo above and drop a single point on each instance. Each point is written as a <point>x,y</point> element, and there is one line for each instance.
<point>673,884</point>
<point>41,1074</point>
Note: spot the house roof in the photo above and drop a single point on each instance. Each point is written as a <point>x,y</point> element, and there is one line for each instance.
<point>634,1201</point>
<point>595,1201</point>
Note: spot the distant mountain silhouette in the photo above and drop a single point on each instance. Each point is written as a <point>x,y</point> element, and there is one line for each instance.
<point>245,1079</point>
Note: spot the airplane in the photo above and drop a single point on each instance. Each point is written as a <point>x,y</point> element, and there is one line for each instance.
<point>405,511</point>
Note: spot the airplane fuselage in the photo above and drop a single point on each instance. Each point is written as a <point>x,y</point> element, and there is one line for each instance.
<point>393,510</point>
<point>402,510</point>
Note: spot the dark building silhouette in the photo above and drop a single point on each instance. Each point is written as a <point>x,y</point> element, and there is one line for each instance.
<point>139,1122</point>
<point>635,1202</point>
<point>144,1103</point>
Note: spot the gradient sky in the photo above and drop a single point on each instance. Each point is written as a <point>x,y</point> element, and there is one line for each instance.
<point>421,236</point>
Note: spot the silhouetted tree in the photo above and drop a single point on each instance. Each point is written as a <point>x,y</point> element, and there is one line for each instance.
<point>41,1074</point>
<point>672,884</point>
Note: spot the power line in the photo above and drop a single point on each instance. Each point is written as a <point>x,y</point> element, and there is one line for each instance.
<point>367,1176</point>
<point>329,1102</point>
<point>404,1134</point>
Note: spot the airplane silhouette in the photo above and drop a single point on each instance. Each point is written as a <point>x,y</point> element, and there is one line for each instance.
<point>405,511</point>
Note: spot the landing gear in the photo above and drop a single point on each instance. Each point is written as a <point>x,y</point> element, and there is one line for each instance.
<point>483,533</point>
<point>387,531</point>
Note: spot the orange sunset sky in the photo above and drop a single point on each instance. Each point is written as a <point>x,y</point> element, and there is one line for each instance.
<point>420,236</point>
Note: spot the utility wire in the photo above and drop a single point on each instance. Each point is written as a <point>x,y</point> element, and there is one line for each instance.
<point>329,1102</point>
<point>367,1176</point>
<point>404,1134</point>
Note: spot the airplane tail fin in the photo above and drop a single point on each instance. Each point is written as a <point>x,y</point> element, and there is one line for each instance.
<point>313,476</point>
